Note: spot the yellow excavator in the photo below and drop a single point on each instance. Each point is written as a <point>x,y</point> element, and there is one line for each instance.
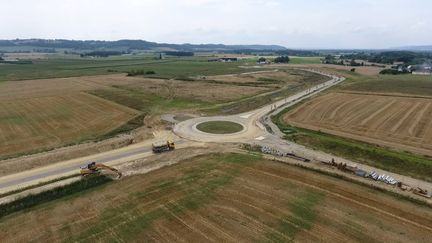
<point>96,168</point>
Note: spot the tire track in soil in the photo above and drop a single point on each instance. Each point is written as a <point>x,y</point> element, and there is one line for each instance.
<point>305,182</point>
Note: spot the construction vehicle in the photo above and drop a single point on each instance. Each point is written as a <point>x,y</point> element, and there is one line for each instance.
<point>94,168</point>
<point>161,147</point>
<point>421,192</point>
<point>403,186</point>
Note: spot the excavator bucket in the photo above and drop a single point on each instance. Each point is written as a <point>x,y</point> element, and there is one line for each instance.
<point>94,168</point>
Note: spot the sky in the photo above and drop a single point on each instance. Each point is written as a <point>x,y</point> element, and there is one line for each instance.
<point>305,24</point>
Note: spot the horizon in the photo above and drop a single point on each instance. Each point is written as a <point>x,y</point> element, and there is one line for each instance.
<point>402,48</point>
<point>324,24</point>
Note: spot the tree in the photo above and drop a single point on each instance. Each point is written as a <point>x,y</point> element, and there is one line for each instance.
<point>282,59</point>
<point>353,63</point>
<point>262,59</point>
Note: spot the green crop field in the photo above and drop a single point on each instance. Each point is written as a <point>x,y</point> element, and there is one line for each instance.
<point>403,84</point>
<point>305,60</point>
<point>73,66</point>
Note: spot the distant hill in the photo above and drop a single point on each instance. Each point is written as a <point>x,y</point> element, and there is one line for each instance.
<point>415,48</point>
<point>131,45</point>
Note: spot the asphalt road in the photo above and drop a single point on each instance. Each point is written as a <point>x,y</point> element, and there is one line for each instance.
<point>70,167</point>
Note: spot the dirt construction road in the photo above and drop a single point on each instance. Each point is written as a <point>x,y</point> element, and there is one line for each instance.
<point>70,167</point>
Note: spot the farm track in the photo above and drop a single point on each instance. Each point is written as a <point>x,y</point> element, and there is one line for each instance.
<point>400,122</point>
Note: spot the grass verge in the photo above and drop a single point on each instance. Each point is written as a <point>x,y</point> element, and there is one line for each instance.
<point>132,124</point>
<point>220,127</point>
<point>38,185</point>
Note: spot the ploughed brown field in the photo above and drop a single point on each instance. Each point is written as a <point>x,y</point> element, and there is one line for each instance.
<point>224,198</point>
<point>396,121</point>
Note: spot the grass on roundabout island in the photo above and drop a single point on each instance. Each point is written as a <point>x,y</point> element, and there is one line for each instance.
<point>220,127</point>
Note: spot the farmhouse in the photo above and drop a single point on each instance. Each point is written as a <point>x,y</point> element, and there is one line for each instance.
<point>224,59</point>
<point>228,59</point>
<point>423,70</point>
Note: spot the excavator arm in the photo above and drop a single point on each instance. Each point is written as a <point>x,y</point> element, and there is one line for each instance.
<point>94,168</point>
<point>105,167</point>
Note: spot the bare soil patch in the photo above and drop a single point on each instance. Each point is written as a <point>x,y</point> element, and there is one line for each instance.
<point>225,198</point>
<point>396,121</point>
<point>203,91</point>
<point>270,78</point>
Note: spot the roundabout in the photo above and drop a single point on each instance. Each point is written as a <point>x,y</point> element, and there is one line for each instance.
<point>247,127</point>
<point>220,127</point>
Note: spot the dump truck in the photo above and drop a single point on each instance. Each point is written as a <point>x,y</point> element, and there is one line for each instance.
<point>96,168</point>
<point>161,147</point>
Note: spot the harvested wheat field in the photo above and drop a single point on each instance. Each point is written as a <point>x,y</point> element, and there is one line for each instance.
<point>55,86</point>
<point>37,123</point>
<point>395,121</point>
<point>224,198</point>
